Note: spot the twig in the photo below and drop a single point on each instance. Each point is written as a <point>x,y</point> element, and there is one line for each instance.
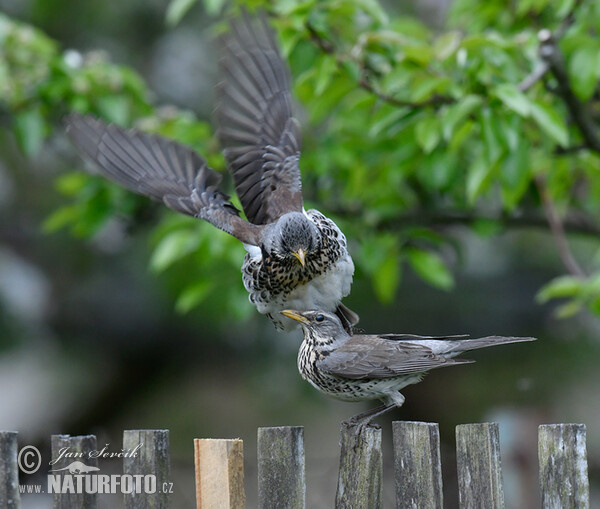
<point>327,46</point>
<point>537,74</point>
<point>581,115</point>
<point>572,223</point>
<point>558,231</point>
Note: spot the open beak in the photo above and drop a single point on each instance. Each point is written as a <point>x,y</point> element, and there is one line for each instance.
<point>294,315</point>
<point>300,254</point>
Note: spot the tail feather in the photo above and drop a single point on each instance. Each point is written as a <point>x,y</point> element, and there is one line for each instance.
<point>465,345</point>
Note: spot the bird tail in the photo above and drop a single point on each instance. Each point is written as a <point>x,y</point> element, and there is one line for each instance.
<point>464,345</point>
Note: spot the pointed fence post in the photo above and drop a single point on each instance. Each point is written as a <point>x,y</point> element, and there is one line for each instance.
<point>150,467</point>
<point>9,471</point>
<point>563,466</point>
<point>361,469</point>
<point>417,465</point>
<point>78,463</point>
<point>479,467</point>
<point>219,474</point>
<point>281,480</point>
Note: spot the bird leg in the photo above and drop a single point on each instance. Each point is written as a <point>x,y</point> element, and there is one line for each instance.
<point>362,420</point>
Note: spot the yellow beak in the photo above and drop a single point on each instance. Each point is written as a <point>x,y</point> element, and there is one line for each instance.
<point>300,254</point>
<point>294,315</point>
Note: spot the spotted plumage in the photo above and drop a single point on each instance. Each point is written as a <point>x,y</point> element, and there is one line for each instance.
<point>368,366</point>
<point>295,257</point>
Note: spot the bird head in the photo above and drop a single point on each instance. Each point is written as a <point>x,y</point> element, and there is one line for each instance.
<point>322,326</point>
<point>294,237</point>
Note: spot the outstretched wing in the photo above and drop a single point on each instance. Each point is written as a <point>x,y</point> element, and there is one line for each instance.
<point>371,356</point>
<point>260,138</point>
<point>161,169</point>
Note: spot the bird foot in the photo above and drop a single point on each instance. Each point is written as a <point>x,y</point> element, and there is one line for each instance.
<point>358,429</point>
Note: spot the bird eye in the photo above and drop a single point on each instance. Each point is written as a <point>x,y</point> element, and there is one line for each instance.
<point>319,318</point>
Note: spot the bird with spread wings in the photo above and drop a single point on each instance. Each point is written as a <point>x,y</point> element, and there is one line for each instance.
<point>296,258</point>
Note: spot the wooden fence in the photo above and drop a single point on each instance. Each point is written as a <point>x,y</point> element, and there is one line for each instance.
<point>281,469</point>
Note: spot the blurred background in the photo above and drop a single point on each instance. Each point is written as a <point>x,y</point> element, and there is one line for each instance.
<point>463,190</point>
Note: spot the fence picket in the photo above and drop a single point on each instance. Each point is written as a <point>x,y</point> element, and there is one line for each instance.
<point>81,446</point>
<point>281,479</point>
<point>479,466</point>
<point>417,465</point>
<point>563,466</point>
<point>9,472</point>
<point>151,458</point>
<point>361,469</point>
<point>219,474</point>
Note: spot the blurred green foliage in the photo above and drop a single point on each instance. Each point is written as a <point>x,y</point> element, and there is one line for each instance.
<point>407,130</point>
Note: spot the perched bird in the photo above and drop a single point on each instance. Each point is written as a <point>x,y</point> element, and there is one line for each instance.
<point>374,366</point>
<point>295,258</point>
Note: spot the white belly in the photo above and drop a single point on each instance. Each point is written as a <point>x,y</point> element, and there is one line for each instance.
<point>323,292</point>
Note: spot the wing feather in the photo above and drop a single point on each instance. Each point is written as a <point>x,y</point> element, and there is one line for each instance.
<point>161,169</point>
<point>260,138</point>
<point>371,356</point>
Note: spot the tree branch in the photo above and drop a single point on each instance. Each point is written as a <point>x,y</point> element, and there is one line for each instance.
<point>536,75</point>
<point>572,223</point>
<point>558,231</point>
<point>326,46</point>
<point>580,113</point>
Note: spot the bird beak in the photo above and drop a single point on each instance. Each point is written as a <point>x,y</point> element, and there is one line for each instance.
<point>294,315</point>
<point>300,254</point>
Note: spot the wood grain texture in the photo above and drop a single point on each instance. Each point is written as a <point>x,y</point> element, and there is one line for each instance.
<point>151,458</point>
<point>9,471</point>
<point>479,466</point>
<point>281,468</point>
<point>80,446</point>
<point>360,477</point>
<point>417,465</point>
<point>563,466</point>
<point>219,474</point>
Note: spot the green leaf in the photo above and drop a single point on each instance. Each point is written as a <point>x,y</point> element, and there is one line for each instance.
<point>173,247</point>
<point>560,287</point>
<point>30,129</point>
<point>71,184</point>
<point>457,113</point>
<point>214,7</point>
<point>583,70</point>
<point>325,70</point>
<point>513,98</point>
<point>479,176</point>
<point>115,108</point>
<point>447,44</point>
<point>551,122</point>
<point>427,133</point>
<point>430,267</point>
<point>192,295</point>
<point>491,136</point>
<point>569,309</point>
<point>60,218</point>
<point>386,279</point>
<point>178,8</point>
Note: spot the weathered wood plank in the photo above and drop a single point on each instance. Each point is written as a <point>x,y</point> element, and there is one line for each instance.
<point>417,465</point>
<point>563,466</point>
<point>219,474</point>
<point>151,458</point>
<point>281,479</point>
<point>479,466</point>
<point>9,471</point>
<point>74,460</point>
<point>360,478</point>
